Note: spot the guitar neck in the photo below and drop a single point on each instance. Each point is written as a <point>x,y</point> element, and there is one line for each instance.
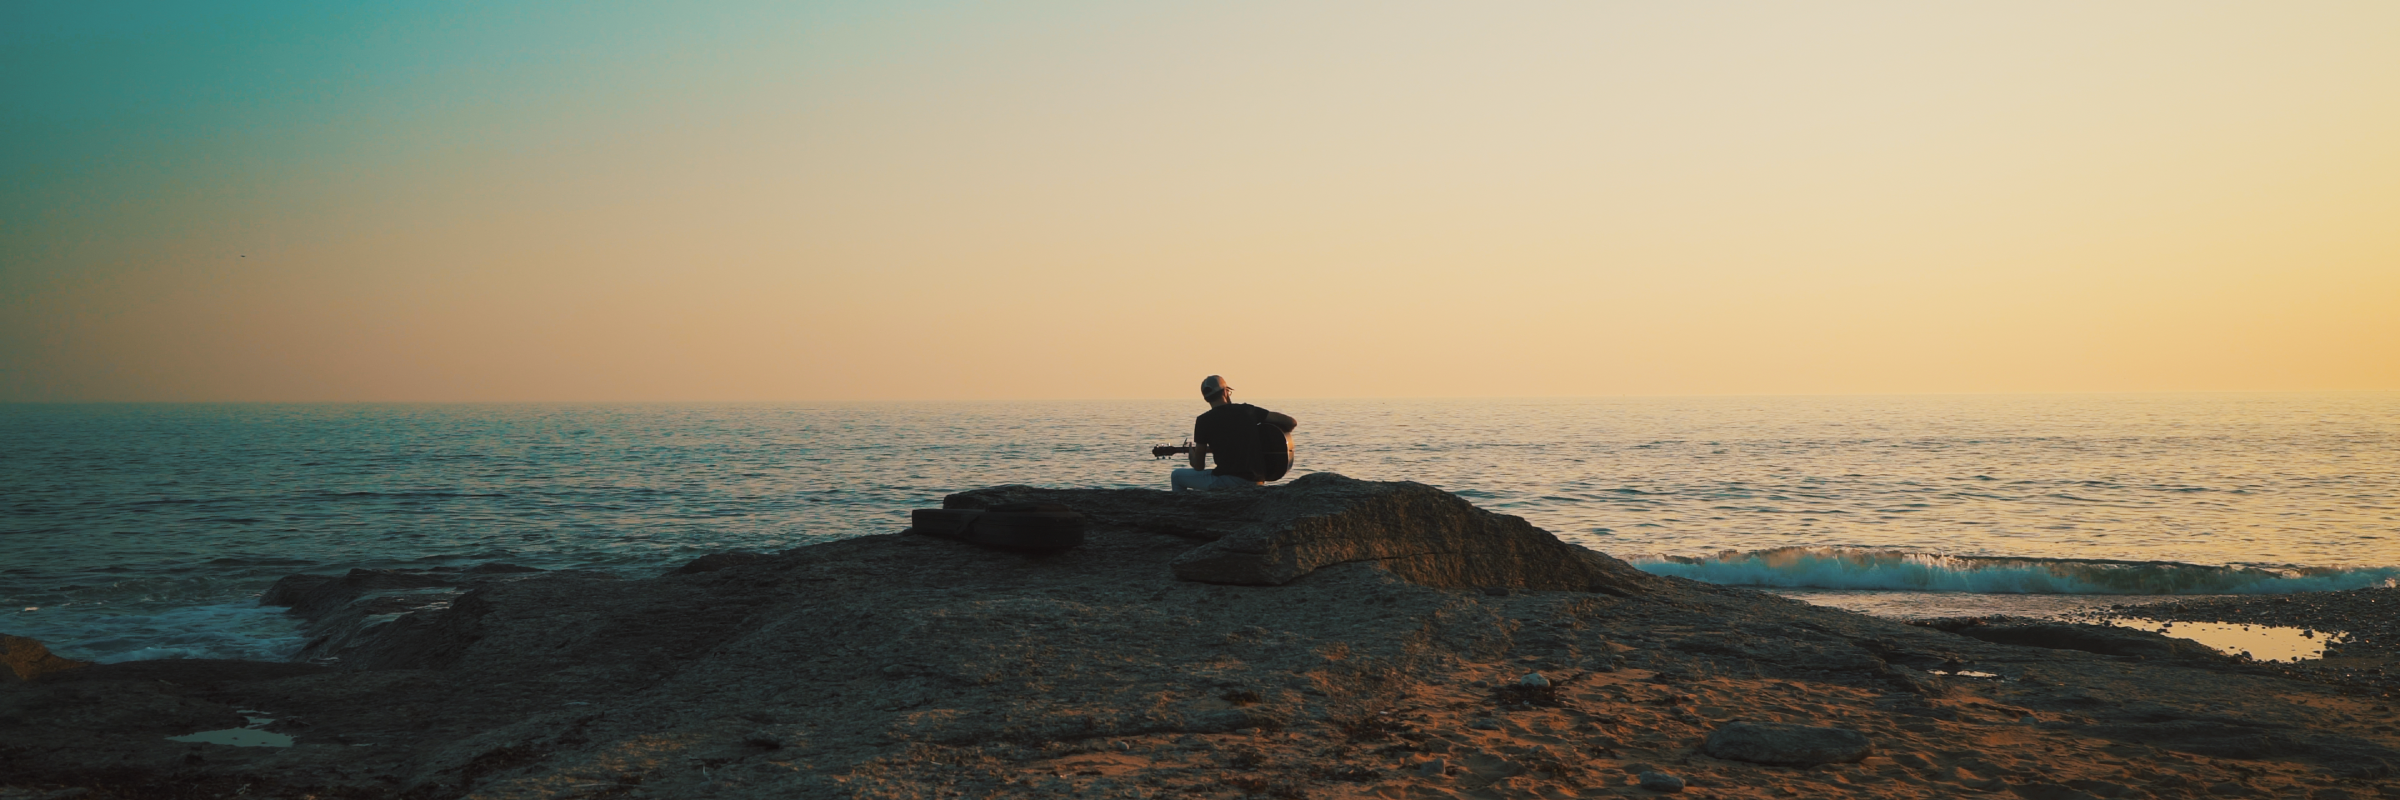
<point>1163,452</point>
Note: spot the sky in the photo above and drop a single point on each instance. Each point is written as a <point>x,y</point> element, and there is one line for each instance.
<point>899,200</point>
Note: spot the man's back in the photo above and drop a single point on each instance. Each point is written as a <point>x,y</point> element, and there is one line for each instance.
<point>1231,433</point>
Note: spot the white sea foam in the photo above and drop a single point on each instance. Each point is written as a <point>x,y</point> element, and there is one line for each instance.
<point>226,630</point>
<point>1873,569</point>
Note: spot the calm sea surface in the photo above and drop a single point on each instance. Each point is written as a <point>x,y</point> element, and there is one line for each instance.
<point>143,531</point>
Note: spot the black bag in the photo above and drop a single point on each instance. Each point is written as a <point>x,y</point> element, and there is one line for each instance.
<point>1016,526</point>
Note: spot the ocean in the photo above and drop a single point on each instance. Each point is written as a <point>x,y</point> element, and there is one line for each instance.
<point>132,531</point>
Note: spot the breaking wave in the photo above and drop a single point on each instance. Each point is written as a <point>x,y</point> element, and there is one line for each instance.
<point>1868,569</point>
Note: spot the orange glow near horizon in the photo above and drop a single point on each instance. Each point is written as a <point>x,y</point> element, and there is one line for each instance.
<point>1112,200</point>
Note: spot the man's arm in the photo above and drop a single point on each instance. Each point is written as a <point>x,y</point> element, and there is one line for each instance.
<point>1283,421</point>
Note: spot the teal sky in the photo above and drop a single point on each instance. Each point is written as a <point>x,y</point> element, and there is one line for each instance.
<point>770,201</point>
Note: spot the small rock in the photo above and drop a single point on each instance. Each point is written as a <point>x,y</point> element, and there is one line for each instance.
<point>1787,745</point>
<point>1661,782</point>
<point>1533,679</point>
<point>1484,724</point>
<point>1433,767</point>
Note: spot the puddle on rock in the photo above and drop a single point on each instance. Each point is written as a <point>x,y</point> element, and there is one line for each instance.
<point>1965,673</point>
<point>2262,642</point>
<point>239,737</point>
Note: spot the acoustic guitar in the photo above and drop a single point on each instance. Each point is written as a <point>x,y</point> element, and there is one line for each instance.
<point>1274,451</point>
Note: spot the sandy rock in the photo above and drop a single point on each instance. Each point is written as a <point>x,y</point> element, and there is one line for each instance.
<point>1786,745</point>
<point>1273,535</point>
<point>1814,656</point>
<point>28,659</point>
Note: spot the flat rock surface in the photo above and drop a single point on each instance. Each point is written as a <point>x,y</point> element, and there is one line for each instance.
<point>904,666</point>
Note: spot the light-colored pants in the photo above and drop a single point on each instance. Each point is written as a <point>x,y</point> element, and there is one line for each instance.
<point>1187,478</point>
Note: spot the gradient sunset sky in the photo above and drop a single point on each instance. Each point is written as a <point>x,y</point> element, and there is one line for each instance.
<point>909,200</point>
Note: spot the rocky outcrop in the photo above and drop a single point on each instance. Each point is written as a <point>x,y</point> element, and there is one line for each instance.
<point>1273,535</point>
<point>26,659</point>
<point>903,665</point>
<point>357,609</point>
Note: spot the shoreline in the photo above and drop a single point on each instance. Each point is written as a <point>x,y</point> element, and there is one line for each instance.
<point>1178,654</point>
<point>2319,611</point>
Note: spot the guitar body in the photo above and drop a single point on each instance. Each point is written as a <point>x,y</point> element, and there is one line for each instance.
<point>1274,452</point>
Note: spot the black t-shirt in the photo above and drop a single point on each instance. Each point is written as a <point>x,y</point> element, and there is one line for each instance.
<point>1231,433</point>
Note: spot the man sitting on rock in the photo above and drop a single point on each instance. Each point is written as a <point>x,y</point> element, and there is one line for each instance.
<point>1230,431</point>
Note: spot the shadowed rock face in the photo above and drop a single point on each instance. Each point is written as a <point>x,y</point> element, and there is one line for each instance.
<point>1273,535</point>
